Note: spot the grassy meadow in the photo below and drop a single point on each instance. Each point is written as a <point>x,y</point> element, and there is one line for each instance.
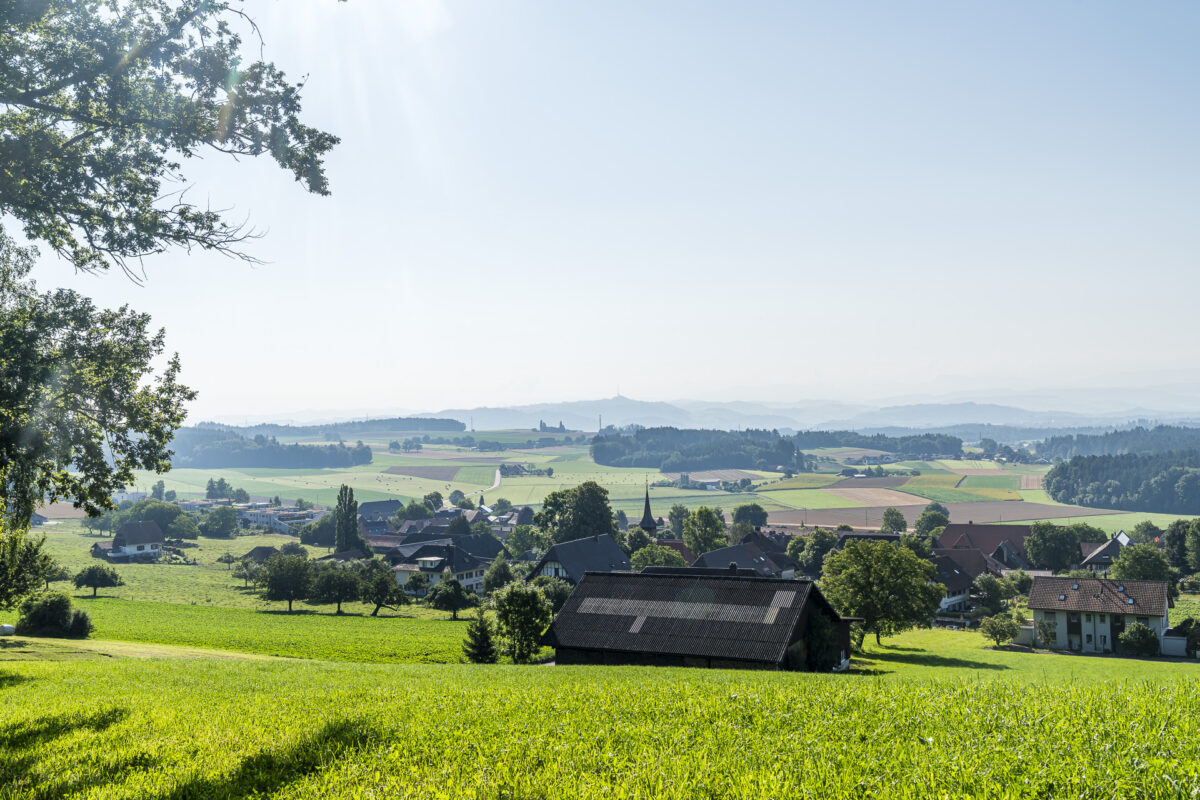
<point>153,728</point>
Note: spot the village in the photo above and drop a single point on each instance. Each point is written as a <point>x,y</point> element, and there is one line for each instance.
<point>754,598</point>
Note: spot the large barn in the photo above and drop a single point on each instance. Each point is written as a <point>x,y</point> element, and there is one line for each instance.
<point>699,618</point>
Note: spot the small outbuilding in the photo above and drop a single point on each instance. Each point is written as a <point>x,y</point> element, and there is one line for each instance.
<point>690,617</point>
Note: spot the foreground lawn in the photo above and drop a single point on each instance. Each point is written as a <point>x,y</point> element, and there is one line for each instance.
<point>301,635</point>
<point>202,728</point>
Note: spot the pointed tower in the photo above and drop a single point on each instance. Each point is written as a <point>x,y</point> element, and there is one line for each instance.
<point>648,524</point>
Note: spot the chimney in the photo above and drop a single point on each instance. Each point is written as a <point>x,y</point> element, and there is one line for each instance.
<point>733,567</point>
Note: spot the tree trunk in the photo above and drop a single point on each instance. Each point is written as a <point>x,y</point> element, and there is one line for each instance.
<point>375,613</point>
<point>94,588</point>
<point>289,606</point>
<point>339,606</point>
<point>877,641</point>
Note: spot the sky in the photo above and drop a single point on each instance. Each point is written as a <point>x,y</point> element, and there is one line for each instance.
<point>546,201</point>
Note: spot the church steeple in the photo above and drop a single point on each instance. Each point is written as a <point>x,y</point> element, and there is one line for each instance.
<point>648,524</point>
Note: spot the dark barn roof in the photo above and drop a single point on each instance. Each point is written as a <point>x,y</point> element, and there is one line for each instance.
<point>379,509</point>
<point>261,553</point>
<point>972,562</point>
<point>747,556</point>
<point>590,554</point>
<point>950,575</point>
<point>702,616</point>
<point>132,534</point>
<point>1102,595</point>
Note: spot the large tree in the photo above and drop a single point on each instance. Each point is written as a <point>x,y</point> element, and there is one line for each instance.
<point>576,513</point>
<point>80,405</point>
<point>98,576</point>
<point>1052,547</point>
<point>287,578</point>
<point>336,584</point>
<point>1144,562</point>
<point>450,595</point>
<point>751,513</point>
<point>654,555</point>
<point>522,613</point>
<point>893,521</point>
<point>345,517</point>
<point>104,100</point>
<point>886,584</point>
<point>704,531</point>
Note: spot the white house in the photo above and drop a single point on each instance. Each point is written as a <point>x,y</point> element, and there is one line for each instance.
<point>1088,615</point>
<point>137,541</point>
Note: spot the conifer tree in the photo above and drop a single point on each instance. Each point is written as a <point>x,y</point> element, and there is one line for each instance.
<point>479,646</point>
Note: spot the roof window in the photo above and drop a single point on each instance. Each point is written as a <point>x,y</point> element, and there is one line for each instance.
<point>1062,597</point>
<point>1129,600</point>
<point>1074,585</point>
<point>1121,588</point>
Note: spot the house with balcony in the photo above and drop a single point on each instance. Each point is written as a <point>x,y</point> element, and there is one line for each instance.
<point>1088,615</point>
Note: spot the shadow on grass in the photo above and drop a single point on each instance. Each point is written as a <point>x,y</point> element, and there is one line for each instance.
<point>269,771</point>
<point>8,679</point>
<point>23,735</point>
<point>926,659</point>
<point>12,644</point>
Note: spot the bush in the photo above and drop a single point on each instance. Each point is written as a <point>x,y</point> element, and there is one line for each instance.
<point>1000,629</point>
<point>50,614</point>
<point>81,625</point>
<point>1139,640</point>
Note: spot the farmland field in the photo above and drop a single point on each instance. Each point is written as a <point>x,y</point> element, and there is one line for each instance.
<point>991,482</point>
<point>806,498</point>
<point>226,729</point>
<point>430,638</point>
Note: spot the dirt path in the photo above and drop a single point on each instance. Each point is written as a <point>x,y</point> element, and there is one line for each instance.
<point>1031,482</point>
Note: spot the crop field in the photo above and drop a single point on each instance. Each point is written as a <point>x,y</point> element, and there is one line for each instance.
<point>944,480</point>
<point>972,466</point>
<point>231,729</point>
<point>387,638</point>
<point>943,495</point>
<point>809,480</point>
<point>806,498</point>
<point>991,482</point>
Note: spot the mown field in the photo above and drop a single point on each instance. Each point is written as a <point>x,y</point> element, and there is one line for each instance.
<point>159,729</point>
<point>422,636</point>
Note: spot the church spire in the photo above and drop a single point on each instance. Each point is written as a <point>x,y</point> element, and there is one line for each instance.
<point>648,524</point>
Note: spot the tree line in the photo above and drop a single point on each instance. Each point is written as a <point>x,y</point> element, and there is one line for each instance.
<point>215,448</point>
<point>678,450</point>
<point>1166,482</point>
<point>914,444</point>
<point>1162,438</point>
<point>338,428</point>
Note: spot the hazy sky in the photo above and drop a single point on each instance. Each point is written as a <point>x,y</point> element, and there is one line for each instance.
<point>539,201</point>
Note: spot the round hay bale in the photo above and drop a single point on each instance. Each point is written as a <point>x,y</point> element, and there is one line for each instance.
<point>7,630</point>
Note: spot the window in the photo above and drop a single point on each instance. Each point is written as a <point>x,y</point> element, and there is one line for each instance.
<point>1144,620</point>
<point>1089,638</point>
<point>1103,640</point>
<point>1087,618</point>
<point>141,547</point>
<point>1048,616</point>
<point>1104,618</point>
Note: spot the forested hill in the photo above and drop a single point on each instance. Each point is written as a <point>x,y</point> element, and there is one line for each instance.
<point>345,430</point>
<point>916,444</point>
<point>1135,440</point>
<point>216,448</point>
<point>675,450</point>
<point>1167,483</point>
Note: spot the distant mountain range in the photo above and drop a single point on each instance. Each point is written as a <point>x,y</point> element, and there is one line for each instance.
<point>968,420</point>
<point>620,411</point>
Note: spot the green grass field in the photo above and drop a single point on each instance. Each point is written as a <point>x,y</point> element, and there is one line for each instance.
<point>425,636</point>
<point>943,495</point>
<point>942,480</point>
<point>811,480</point>
<point>807,498</point>
<point>164,728</point>
<point>1011,482</point>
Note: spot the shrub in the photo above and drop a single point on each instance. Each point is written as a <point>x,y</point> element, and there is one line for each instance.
<point>1139,640</point>
<point>1000,629</point>
<point>81,625</point>
<point>50,614</point>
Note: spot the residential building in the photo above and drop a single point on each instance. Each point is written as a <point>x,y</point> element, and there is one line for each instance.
<point>1089,615</point>
<point>434,558</point>
<point>957,582</point>
<point>1099,556</point>
<point>1004,543</point>
<point>570,560</point>
<point>749,555</point>
<point>138,541</point>
<point>690,617</point>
